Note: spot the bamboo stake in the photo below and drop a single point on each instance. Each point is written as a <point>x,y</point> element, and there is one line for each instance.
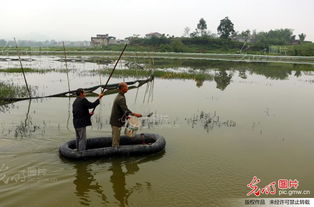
<point>66,65</point>
<point>18,53</point>
<point>112,71</point>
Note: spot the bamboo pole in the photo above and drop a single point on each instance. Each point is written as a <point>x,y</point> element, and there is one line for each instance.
<point>18,53</point>
<point>114,68</point>
<point>66,65</point>
<point>111,88</point>
<point>112,72</point>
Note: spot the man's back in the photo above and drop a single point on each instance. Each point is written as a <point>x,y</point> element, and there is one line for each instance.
<point>81,116</point>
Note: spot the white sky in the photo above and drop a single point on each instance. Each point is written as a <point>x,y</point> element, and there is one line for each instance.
<point>79,20</point>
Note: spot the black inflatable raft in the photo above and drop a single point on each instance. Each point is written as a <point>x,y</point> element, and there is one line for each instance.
<point>141,144</point>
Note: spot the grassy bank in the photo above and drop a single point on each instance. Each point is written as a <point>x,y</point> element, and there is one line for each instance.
<point>302,50</point>
<point>176,46</point>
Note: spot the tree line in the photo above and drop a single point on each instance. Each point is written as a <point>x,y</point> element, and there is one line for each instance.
<point>226,39</point>
<point>200,39</point>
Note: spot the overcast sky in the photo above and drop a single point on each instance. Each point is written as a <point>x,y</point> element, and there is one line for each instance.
<point>79,20</point>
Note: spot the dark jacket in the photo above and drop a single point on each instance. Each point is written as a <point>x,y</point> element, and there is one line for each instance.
<point>119,111</point>
<point>81,116</point>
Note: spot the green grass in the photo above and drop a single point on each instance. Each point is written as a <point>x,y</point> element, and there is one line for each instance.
<point>304,49</point>
<point>28,70</point>
<point>12,91</point>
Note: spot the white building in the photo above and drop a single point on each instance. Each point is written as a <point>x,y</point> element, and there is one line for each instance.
<point>102,40</point>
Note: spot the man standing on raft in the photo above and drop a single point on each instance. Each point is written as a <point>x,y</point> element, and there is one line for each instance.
<point>119,113</point>
<point>81,117</point>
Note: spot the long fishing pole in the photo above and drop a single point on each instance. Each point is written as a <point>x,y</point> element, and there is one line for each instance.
<point>112,72</point>
<point>18,53</point>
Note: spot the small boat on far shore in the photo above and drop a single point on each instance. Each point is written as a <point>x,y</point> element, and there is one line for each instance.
<point>141,144</point>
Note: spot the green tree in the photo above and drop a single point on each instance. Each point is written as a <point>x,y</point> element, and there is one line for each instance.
<point>226,28</point>
<point>195,33</point>
<point>177,45</point>
<point>264,40</point>
<point>246,34</point>
<point>302,37</point>
<point>292,38</point>
<point>202,26</point>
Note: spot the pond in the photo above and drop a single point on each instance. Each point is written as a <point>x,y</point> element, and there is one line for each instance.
<point>221,132</point>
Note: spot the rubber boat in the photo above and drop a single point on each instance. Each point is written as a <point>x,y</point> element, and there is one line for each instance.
<point>141,144</point>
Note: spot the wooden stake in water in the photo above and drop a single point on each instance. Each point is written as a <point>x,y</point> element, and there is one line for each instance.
<point>66,66</point>
<point>18,53</point>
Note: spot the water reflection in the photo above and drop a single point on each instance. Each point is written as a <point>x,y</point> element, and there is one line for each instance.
<point>276,70</point>
<point>24,127</point>
<point>222,79</point>
<point>85,182</point>
<point>199,83</point>
<point>297,73</point>
<point>149,92</point>
<point>56,62</point>
<point>242,74</point>
<point>157,121</point>
<point>5,107</point>
<point>208,121</point>
<point>118,180</point>
<point>273,73</point>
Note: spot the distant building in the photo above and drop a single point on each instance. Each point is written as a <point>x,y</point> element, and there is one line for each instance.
<point>241,39</point>
<point>130,38</point>
<point>295,42</point>
<point>125,41</point>
<point>102,40</point>
<point>153,34</point>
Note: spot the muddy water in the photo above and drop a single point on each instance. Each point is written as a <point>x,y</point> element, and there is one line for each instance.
<point>218,137</point>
